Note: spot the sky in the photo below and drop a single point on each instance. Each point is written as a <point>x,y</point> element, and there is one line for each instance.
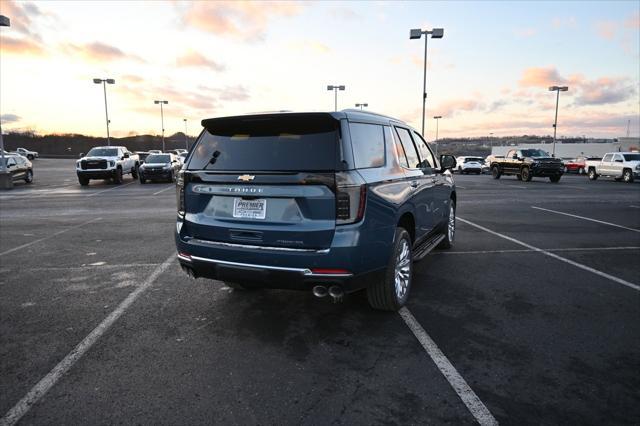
<point>489,74</point>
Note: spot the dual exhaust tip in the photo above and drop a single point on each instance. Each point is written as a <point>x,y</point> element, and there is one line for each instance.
<point>335,292</point>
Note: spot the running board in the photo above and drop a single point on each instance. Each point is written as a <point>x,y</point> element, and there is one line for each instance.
<point>425,247</point>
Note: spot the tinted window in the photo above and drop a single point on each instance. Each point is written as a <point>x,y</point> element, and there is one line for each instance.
<point>409,148</point>
<point>607,157</point>
<point>631,157</point>
<point>103,152</point>
<point>368,145</point>
<point>158,158</point>
<point>426,155</point>
<point>286,142</point>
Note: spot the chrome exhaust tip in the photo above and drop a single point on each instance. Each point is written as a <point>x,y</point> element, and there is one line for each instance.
<point>336,293</point>
<point>320,291</point>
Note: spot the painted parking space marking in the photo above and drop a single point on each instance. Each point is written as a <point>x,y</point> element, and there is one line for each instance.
<point>457,382</point>
<point>555,256</point>
<point>568,249</point>
<point>48,381</point>
<point>111,189</point>
<point>50,236</point>
<point>162,190</point>
<point>586,218</point>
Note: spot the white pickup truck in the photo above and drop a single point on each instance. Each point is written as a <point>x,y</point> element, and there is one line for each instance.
<point>623,166</point>
<point>26,153</point>
<point>107,162</point>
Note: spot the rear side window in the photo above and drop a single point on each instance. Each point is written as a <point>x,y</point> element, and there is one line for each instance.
<point>409,148</point>
<point>367,141</point>
<point>607,157</point>
<point>283,142</point>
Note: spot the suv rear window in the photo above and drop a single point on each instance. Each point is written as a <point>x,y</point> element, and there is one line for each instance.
<point>368,145</point>
<point>283,142</point>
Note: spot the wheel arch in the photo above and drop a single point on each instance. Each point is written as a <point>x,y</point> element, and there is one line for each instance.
<point>407,221</point>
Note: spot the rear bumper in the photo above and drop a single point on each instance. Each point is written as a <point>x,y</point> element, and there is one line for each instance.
<point>279,268</point>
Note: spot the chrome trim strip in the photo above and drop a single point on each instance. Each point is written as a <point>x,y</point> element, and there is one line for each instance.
<point>254,247</point>
<point>188,259</point>
<point>329,275</point>
<point>302,271</point>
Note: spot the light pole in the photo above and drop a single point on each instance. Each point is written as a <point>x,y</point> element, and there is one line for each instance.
<point>491,142</point>
<point>186,141</point>
<point>104,83</point>
<point>437,118</point>
<point>362,105</point>
<point>416,34</point>
<point>335,89</point>
<point>556,89</point>
<point>162,118</point>
<point>4,22</point>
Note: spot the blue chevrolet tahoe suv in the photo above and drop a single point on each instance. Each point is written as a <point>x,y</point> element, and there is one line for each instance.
<point>329,202</point>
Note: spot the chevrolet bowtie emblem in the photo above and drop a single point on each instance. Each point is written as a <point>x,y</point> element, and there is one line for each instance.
<point>246,178</point>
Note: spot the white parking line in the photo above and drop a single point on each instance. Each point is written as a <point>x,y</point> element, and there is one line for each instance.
<point>555,256</point>
<point>162,190</point>
<point>457,382</point>
<point>55,234</point>
<point>569,249</point>
<point>586,218</point>
<point>635,207</point>
<point>111,189</point>
<point>47,382</point>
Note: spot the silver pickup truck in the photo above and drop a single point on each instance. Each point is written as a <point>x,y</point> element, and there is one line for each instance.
<point>623,166</point>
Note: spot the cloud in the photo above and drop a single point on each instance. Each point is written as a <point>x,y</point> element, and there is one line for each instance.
<point>525,32</point>
<point>9,118</point>
<point>247,21</point>
<point>633,21</point>
<point>234,93</point>
<point>606,29</point>
<point>455,106</point>
<point>20,46</point>
<point>345,13</point>
<point>309,45</point>
<point>541,77</point>
<point>100,52</point>
<point>195,59</point>
<point>569,22</point>
<point>605,91</point>
<point>21,15</point>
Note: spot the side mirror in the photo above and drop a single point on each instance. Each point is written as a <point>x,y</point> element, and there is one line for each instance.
<point>447,162</point>
<point>126,155</point>
<point>81,155</point>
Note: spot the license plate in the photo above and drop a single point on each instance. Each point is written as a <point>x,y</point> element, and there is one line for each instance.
<point>250,209</point>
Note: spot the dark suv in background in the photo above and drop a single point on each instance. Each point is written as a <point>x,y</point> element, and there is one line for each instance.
<point>324,202</point>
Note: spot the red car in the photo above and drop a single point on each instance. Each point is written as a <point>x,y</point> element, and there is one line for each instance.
<point>576,165</point>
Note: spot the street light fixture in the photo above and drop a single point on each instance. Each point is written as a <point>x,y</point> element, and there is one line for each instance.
<point>556,89</point>
<point>162,118</point>
<point>362,105</point>
<point>416,34</point>
<point>335,89</point>
<point>186,141</point>
<point>437,118</point>
<point>104,83</point>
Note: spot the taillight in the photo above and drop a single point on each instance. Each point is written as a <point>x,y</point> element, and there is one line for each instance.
<point>180,193</point>
<point>351,197</point>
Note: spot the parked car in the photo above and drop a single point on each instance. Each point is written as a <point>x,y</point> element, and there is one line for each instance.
<point>26,153</point>
<point>183,157</point>
<point>155,151</point>
<point>324,202</point>
<point>19,167</point>
<point>575,165</point>
<point>623,166</point>
<point>466,165</point>
<point>526,164</point>
<point>488,160</point>
<point>176,151</point>
<point>142,156</point>
<point>107,162</point>
<point>159,167</point>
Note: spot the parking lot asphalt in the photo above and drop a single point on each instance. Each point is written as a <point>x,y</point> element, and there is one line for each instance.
<point>536,308</point>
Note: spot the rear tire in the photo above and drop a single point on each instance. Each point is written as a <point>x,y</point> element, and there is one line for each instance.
<point>450,231</point>
<point>519,177</point>
<point>392,292</point>
<point>627,176</point>
<point>134,172</point>
<point>592,174</point>
<point>29,176</point>
<point>526,174</point>
<point>495,172</point>
<point>30,157</point>
<point>83,181</point>
<point>554,179</point>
